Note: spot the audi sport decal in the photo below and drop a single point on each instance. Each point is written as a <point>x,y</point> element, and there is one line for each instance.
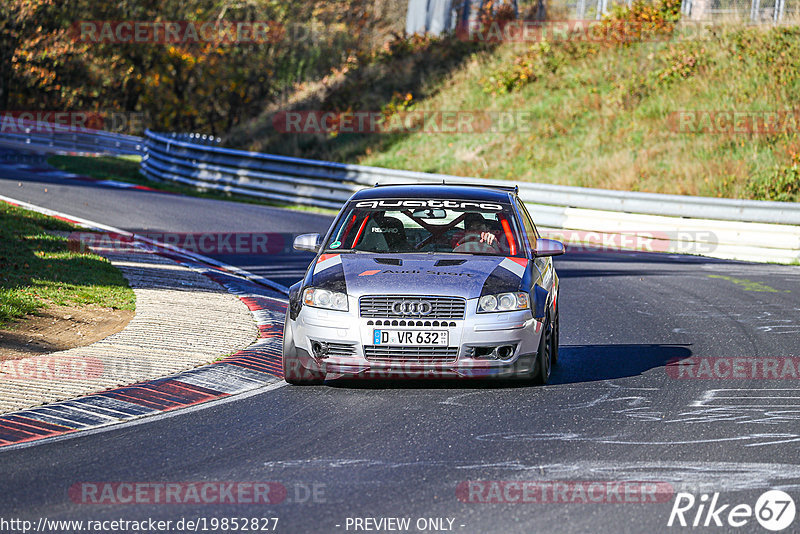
<point>515,265</point>
<point>326,261</point>
<point>417,271</point>
<point>452,204</point>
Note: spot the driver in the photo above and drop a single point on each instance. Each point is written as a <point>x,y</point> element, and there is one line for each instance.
<point>478,237</point>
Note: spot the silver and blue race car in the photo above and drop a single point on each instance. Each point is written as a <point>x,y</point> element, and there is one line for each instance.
<point>425,281</point>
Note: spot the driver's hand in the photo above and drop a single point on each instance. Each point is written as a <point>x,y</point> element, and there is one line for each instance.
<point>488,238</point>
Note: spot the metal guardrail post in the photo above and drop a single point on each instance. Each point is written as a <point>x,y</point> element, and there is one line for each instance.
<point>755,8</point>
<point>777,14</point>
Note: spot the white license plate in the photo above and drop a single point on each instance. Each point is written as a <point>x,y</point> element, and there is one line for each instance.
<point>410,337</point>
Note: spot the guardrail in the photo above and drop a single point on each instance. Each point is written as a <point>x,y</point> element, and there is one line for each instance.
<point>54,138</point>
<point>725,228</point>
<point>313,182</point>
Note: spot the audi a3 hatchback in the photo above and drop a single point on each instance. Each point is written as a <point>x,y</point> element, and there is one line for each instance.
<point>425,281</point>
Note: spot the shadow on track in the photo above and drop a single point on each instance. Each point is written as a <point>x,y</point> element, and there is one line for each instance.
<point>577,363</point>
<point>590,363</point>
<point>605,264</point>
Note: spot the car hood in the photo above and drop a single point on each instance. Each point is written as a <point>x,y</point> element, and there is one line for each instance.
<point>468,276</point>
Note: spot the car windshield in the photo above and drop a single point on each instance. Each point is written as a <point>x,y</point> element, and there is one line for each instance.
<point>435,226</point>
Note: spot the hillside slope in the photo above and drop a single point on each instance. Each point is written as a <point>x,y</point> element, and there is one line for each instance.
<point>670,110</point>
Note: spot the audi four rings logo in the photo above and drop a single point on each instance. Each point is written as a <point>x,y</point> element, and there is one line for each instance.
<point>412,307</point>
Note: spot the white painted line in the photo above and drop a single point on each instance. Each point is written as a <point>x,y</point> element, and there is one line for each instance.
<point>749,398</point>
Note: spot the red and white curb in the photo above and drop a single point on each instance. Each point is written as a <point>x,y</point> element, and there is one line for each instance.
<point>255,367</point>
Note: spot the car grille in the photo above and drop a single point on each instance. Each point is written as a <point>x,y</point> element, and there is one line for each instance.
<point>442,307</point>
<point>378,353</point>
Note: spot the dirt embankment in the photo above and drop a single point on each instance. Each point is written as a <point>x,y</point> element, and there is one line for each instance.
<point>58,328</point>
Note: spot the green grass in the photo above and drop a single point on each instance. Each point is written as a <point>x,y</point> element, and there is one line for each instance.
<point>600,116</point>
<point>38,269</point>
<point>126,169</point>
<point>122,168</point>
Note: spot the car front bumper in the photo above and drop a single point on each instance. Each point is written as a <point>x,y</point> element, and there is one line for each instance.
<point>346,339</point>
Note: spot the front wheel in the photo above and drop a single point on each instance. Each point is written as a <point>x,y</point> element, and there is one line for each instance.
<point>293,370</point>
<point>544,356</point>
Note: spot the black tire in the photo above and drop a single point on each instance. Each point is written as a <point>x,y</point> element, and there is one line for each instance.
<point>555,338</point>
<point>544,358</point>
<point>293,372</point>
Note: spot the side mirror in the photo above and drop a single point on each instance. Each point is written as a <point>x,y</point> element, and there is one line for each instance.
<point>307,242</point>
<point>549,247</point>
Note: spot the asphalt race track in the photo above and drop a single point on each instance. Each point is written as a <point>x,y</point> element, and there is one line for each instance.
<point>613,413</point>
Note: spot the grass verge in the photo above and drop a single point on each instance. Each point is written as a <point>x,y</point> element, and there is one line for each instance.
<point>38,269</point>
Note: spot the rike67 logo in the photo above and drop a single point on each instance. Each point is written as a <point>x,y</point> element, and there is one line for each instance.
<point>774,510</point>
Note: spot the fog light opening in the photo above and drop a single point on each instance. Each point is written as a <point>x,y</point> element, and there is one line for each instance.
<point>501,352</point>
<point>320,350</point>
<point>505,352</point>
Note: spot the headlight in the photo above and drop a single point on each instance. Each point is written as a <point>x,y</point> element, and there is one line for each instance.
<point>322,298</point>
<point>502,302</point>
